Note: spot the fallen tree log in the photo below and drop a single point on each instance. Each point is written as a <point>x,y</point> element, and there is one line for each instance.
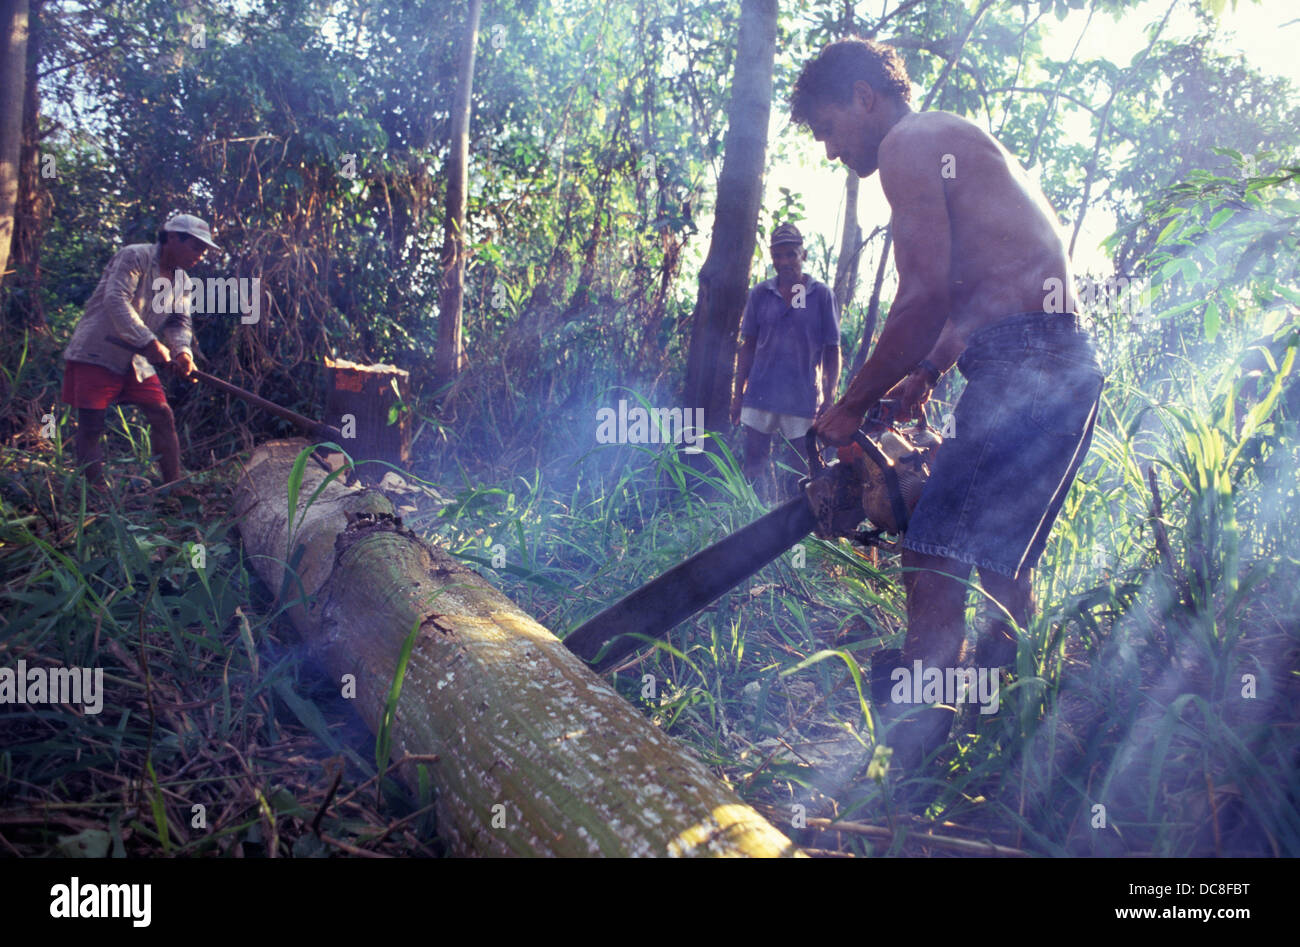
<point>536,755</point>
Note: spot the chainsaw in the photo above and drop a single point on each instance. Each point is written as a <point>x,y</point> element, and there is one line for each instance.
<point>876,479</point>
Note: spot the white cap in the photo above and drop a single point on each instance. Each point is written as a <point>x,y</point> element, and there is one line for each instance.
<point>194,226</point>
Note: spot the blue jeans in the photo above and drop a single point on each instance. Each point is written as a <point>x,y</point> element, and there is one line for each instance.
<point>1022,428</point>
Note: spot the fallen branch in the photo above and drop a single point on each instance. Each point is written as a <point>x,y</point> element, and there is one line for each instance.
<point>965,846</point>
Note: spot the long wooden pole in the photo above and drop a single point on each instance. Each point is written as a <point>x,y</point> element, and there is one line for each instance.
<point>315,428</point>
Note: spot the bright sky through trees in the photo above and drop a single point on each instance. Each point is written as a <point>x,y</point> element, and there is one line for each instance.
<point>1267,35</point>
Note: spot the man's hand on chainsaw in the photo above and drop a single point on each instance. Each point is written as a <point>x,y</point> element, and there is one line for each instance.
<point>838,425</point>
<point>911,394</point>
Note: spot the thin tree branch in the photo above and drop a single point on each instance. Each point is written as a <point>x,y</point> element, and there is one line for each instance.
<point>1060,80</point>
<point>1104,124</point>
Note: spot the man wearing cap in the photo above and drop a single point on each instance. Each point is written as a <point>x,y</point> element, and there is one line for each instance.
<point>790,330</point>
<point>110,360</point>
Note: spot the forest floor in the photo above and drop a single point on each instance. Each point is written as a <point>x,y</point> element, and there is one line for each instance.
<point>1121,730</point>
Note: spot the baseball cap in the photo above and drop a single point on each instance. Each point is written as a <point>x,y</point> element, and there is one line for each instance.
<point>194,226</point>
<point>786,233</point>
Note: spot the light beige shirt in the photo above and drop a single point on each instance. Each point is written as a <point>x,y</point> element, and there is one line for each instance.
<point>135,303</point>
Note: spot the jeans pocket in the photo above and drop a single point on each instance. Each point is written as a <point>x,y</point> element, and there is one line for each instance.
<point>1064,394</point>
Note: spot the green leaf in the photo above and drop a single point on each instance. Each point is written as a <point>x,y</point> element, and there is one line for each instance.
<point>1167,230</point>
<point>283,802</point>
<point>384,739</point>
<point>1217,220</point>
<point>1212,321</point>
<point>159,808</point>
<point>295,484</point>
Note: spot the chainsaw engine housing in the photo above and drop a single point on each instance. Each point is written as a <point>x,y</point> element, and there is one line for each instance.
<point>858,486</point>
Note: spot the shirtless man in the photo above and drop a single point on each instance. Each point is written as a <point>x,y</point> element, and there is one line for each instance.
<point>984,282</point>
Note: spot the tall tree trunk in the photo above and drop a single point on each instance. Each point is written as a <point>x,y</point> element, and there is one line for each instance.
<point>448,359</point>
<point>724,278</point>
<point>535,755</point>
<point>846,267</point>
<point>873,307</point>
<point>33,200</point>
<point>13,74</point>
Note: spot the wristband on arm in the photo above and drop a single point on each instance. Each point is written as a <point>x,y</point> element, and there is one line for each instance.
<point>929,370</point>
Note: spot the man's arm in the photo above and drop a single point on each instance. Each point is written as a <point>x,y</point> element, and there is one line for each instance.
<point>745,358</point>
<point>178,330</point>
<point>124,275</point>
<point>830,375</point>
<point>744,363</point>
<point>912,393</point>
<point>923,255</point>
<point>909,173</point>
<point>947,350</point>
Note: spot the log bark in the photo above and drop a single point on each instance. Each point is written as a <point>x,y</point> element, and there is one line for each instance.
<point>537,755</point>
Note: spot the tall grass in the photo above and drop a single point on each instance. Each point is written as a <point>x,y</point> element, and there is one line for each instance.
<point>1128,689</point>
<point>212,738</point>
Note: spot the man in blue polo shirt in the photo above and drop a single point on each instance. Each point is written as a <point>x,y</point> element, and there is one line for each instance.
<point>789,331</point>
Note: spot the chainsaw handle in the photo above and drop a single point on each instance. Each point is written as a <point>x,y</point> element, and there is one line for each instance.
<point>882,413</point>
<point>815,463</point>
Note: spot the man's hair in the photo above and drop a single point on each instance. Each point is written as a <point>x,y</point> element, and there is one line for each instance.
<point>829,78</point>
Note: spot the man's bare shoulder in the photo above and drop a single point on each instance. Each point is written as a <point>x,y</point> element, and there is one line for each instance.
<point>932,131</point>
<point>925,139</point>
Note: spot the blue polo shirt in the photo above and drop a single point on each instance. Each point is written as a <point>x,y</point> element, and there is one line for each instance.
<point>787,362</point>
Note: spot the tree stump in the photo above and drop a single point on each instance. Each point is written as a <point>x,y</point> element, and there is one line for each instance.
<point>360,401</point>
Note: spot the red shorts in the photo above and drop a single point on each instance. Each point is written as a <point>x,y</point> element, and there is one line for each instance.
<point>95,387</point>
